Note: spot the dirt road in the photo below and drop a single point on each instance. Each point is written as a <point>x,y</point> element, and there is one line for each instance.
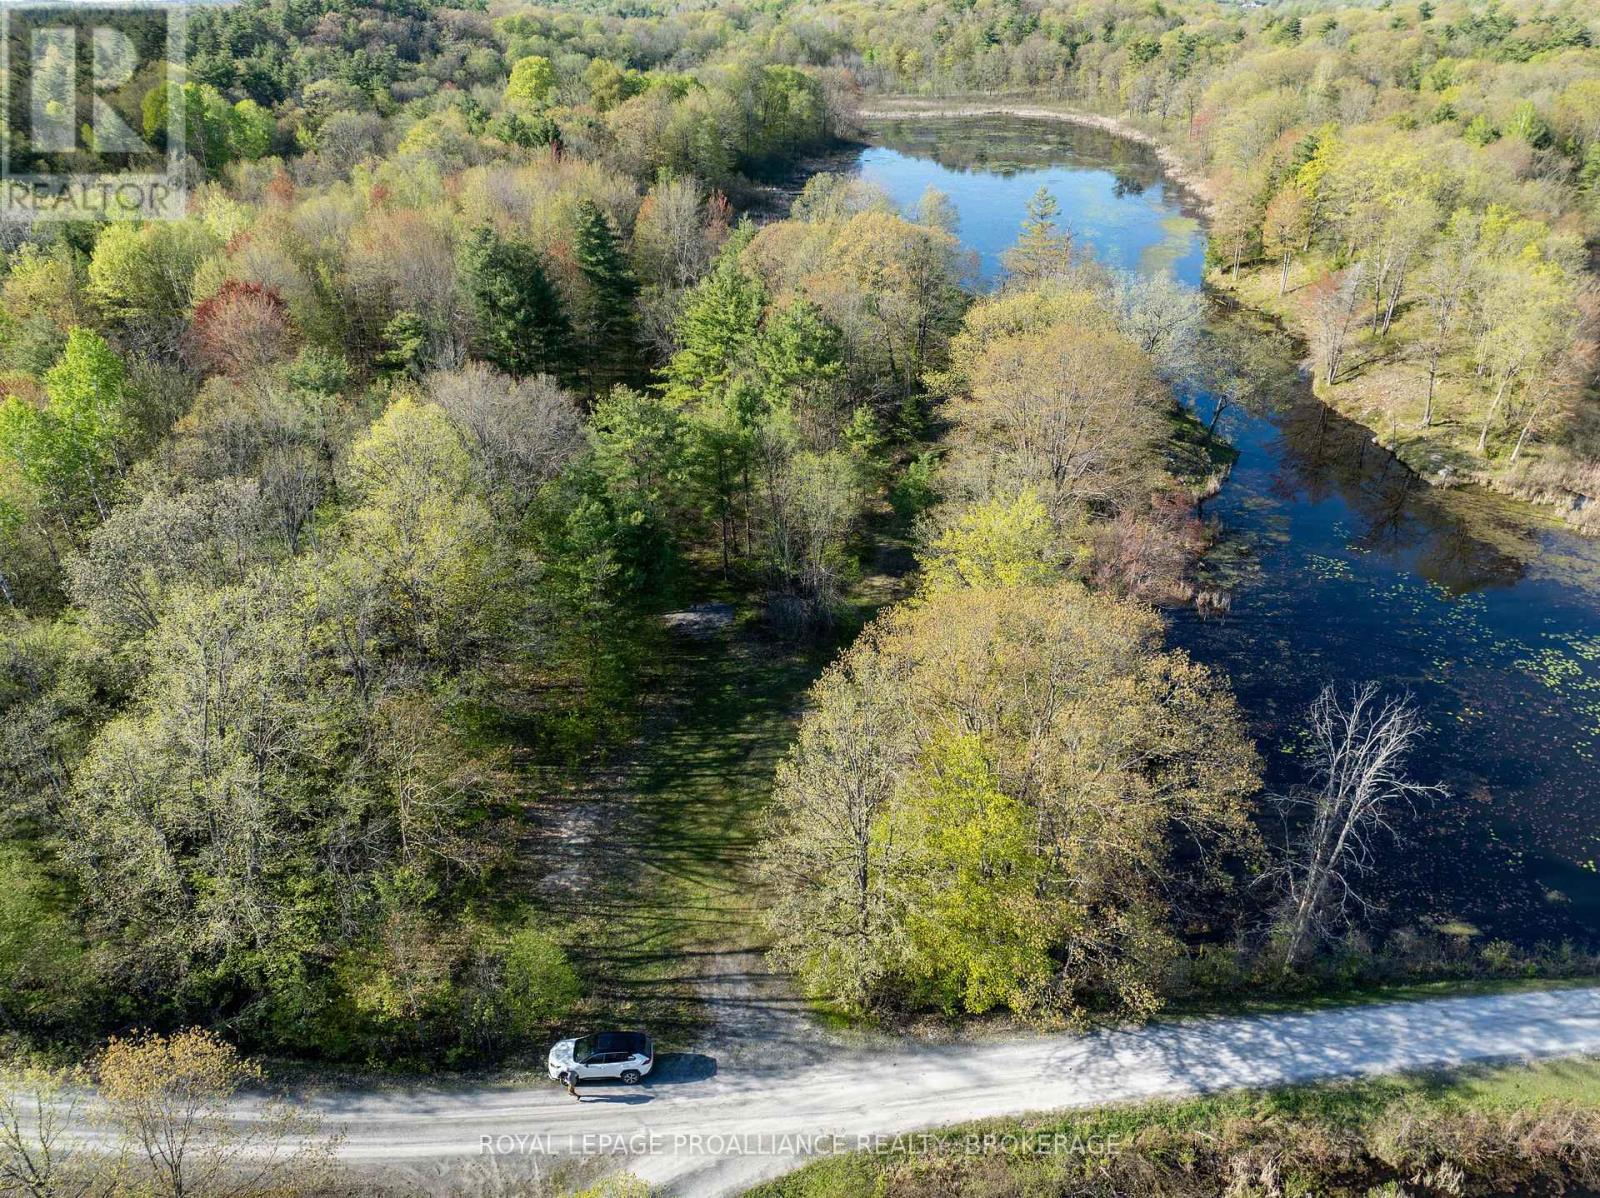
<point>699,1129</point>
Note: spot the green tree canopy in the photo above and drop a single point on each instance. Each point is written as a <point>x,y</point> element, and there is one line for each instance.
<point>521,325</point>
<point>68,448</point>
<point>532,81</point>
<point>608,322</point>
<point>717,332</point>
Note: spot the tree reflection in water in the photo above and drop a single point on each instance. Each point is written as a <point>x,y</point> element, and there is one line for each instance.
<point>1344,565</point>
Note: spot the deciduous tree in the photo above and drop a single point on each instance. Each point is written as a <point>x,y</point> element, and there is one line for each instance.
<point>987,800</point>
<point>999,542</point>
<point>532,81</point>
<point>1360,741</point>
<point>69,447</point>
<point>169,1098</point>
<point>1333,310</point>
<point>1071,413</point>
<point>1283,230</point>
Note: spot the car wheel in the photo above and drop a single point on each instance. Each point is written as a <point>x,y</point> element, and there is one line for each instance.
<point>632,1077</point>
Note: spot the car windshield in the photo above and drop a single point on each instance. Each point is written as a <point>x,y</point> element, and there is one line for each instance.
<point>583,1049</point>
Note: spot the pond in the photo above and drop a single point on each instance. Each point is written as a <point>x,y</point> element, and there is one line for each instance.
<point>1345,566</point>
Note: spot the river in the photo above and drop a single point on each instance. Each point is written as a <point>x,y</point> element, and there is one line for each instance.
<point>1344,565</point>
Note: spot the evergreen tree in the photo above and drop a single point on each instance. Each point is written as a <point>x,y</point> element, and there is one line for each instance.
<point>521,326</point>
<point>717,331</point>
<point>528,132</point>
<point>610,326</point>
<point>636,460</point>
<point>721,440</point>
<point>1043,249</point>
<point>801,359</point>
<point>1589,174</point>
<point>405,340</point>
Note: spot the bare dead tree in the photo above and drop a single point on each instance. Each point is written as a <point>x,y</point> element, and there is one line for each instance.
<point>1445,290</point>
<point>521,431</point>
<point>1361,741</point>
<point>38,1155</point>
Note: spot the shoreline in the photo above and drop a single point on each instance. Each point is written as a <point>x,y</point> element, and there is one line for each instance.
<point>1172,162</point>
<point>1546,508</point>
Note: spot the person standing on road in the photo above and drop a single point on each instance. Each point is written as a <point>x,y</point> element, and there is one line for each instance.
<point>572,1084</point>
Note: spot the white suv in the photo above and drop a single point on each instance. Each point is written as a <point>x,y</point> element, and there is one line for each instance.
<point>626,1056</point>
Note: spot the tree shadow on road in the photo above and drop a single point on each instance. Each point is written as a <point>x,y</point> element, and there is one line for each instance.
<point>676,1068</point>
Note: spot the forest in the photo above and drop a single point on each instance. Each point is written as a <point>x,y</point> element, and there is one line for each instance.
<point>1413,188</point>
<point>495,332</point>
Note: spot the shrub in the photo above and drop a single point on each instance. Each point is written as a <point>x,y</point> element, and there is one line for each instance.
<point>538,986</point>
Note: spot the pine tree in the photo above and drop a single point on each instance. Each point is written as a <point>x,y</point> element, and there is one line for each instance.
<point>717,331</point>
<point>1042,249</point>
<point>800,357</point>
<point>405,340</point>
<point>610,326</point>
<point>521,325</point>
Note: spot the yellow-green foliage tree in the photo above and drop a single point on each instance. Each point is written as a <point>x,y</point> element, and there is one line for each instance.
<point>891,287</point>
<point>1072,413</point>
<point>167,1098</point>
<point>997,542</point>
<point>532,81</point>
<point>989,800</point>
<point>418,534</point>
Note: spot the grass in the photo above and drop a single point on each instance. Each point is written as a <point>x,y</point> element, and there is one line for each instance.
<point>668,889</point>
<point>1326,1139</point>
<point>669,900</point>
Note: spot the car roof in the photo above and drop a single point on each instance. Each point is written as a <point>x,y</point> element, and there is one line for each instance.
<point>620,1042</point>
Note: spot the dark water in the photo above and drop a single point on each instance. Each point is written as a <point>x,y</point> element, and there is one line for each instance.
<point>1346,565</point>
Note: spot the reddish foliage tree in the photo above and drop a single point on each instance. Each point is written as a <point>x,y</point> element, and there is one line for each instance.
<point>241,328</point>
<point>24,386</point>
<point>1148,554</point>
<point>719,218</point>
<point>280,189</point>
